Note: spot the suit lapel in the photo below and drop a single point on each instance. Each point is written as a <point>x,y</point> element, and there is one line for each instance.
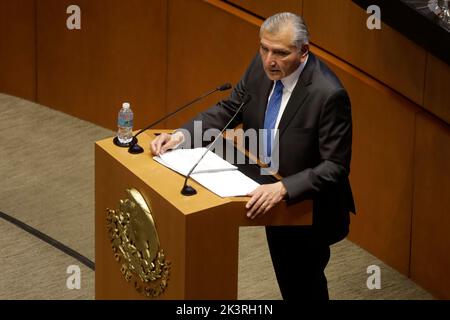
<point>299,94</point>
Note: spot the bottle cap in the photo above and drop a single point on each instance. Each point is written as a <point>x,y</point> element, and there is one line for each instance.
<point>125,105</point>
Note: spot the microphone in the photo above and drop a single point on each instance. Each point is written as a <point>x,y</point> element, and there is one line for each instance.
<point>188,190</point>
<point>135,148</point>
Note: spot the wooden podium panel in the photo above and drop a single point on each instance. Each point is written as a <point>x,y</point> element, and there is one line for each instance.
<point>199,234</point>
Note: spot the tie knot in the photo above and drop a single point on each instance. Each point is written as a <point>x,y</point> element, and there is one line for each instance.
<point>279,85</point>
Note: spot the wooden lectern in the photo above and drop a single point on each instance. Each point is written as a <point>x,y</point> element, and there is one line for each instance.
<point>199,234</point>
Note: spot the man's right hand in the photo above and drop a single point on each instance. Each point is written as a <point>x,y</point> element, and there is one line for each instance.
<point>165,142</point>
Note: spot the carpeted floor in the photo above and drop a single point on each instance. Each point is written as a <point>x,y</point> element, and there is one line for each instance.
<point>346,273</point>
<point>47,174</point>
<point>32,269</point>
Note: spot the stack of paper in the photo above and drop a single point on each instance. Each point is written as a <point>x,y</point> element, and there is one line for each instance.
<point>231,183</point>
<point>182,161</point>
<point>213,172</point>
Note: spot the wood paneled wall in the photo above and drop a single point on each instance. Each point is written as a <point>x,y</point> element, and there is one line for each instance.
<point>437,88</point>
<point>17,48</point>
<point>203,54</point>
<point>118,55</point>
<point>430,246</point>
<point>266,8</point>
<point>339,26</point>
<point>383,174</point>
<point>381,171</point>
<point>160,54</point>
<point>382,164</point>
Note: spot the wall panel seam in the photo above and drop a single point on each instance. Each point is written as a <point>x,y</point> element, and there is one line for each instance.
<point>427,60</point>
<point>35,34</point>
<point>413,184</point>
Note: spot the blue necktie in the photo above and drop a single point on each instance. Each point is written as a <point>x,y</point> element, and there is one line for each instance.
<point>271,115</point>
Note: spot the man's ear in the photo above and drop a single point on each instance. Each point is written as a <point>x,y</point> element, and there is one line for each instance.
<point>305,50</point>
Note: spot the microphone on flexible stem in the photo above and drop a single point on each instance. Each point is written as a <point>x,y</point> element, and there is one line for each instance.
<point>135,148</point>
<point>188,190</point>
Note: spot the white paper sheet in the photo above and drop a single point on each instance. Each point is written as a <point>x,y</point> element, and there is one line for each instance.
<point>182,161</point>
<point>231,183</point>
<point>212,172</point>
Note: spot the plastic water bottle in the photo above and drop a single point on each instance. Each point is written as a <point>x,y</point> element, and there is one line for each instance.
<point>125,124</point>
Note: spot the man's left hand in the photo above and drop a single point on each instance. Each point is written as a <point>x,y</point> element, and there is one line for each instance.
<point>264,198</point>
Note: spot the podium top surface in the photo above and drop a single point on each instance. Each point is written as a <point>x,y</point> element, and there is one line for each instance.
<point>163,180</point>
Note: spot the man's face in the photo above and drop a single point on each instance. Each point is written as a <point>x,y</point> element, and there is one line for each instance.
<point>279,56</point>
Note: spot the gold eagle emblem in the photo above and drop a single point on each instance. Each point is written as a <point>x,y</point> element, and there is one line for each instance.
<point>135,244</point>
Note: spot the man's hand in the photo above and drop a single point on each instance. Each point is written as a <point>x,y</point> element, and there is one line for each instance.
<point>264,198</point>
<point>165,142</point>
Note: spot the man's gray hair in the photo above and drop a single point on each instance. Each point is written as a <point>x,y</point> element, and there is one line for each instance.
<point>277,22</point>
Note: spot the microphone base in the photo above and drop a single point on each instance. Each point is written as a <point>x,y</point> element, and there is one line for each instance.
<point>135,149</point>
<point>188,191</point>
<point>124,145</point>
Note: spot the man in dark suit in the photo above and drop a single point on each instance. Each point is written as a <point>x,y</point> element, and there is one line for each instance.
<point>293,91</point>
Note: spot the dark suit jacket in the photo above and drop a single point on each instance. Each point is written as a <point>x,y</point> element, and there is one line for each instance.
<point>315,138</point>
